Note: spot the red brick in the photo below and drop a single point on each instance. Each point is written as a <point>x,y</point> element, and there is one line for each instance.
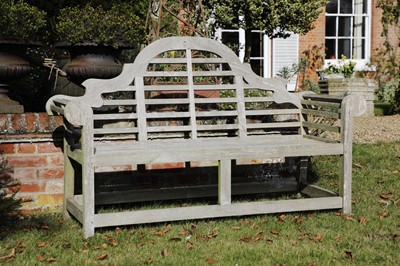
<point>48,148</point>
<point>27,161</point>
<point>56,160</point>
<point>156,166</point>
<point>26,148</point>
<point>7,148</point>
<point>31,122</point>
<point>24,174</point>
<point>50,173</point>
<point>17,122</point>
<point>31,187</point>
<point>44,121</point>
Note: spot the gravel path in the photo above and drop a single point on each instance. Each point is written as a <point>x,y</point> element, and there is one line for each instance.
<point>375,129</point>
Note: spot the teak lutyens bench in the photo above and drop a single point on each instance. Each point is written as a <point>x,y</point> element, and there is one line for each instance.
<point>189,99</point>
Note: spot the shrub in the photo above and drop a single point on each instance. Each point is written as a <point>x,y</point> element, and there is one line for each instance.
<point>344,67</point>
<point>21,21</point>
<point>390,92</point>
<point>9,204</point>
<point>118,26</point>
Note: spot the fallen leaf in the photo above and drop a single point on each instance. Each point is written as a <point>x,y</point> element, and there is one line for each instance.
<point>9,256</point>
<point>51,260</point>
<point>189,244</point>
<point>258,238</point>
<point>117,230</point>
<point>102,256</point>
<point>258,232</point>
<point>236,227</point>
<point>274,232</point>
<point>40,258</point>
<point>396,201</point>
<point>41,244</point>
<point>282,218</point>
<point>298,219</point>
<point>386,195</point>
<point>66,245</point>
<point>176,239</point>
<point>383,215</point>
<point>317,238</point>
<point>164,252</point>
<point>338,239</point>
<point>151,260</point>
<point>396,172</point>
<point>45,227</point>
<point>246,239</point>
<point>269,241</point>
<point>383,202</point>
<point>381,181</point>
<point>362,220</point>
<point>253,225</point>
<point>358,165</point>
<point>209,260</point>
<point>348,255</point>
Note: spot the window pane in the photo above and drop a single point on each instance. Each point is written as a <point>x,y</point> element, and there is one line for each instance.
<point>360,7</point>
<point>344,26</point>
<point>330,26</point>
<point>331,7</point>
<point>256,66</point>
<point>346,6</point>
<point>359,49</point>
<point>231,39</point>
<point>330,49</point>
<point>344,48</point>
<point>256,44</point>
<point>359,27</point>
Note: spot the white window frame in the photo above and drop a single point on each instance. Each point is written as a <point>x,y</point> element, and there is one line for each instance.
<point>361,64</point>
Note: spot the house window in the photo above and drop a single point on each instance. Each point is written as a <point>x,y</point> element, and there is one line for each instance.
<point>348,29</point>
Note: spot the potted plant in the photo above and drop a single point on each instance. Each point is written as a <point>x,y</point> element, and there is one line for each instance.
<point>21,26</point>
<point>340,79</point>
<point>95,36</point>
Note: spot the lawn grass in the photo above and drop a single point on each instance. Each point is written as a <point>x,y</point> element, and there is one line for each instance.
<point>371,236</point>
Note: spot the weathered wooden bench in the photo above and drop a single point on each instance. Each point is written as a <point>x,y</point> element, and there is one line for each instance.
<point>189,99</point>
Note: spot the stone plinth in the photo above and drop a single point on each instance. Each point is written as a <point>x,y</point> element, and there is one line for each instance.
<point>344,86</point>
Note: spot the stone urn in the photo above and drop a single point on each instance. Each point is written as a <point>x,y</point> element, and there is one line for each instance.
<point>12,66</point>
<point>91,61</point>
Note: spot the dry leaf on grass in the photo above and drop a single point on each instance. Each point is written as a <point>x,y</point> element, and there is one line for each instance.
<point>102,256</point>
<point>386,195</point>
<point>9,256</point>
<point>209,260</point>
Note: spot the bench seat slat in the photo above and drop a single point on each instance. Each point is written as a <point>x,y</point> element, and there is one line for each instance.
<point>197,150</point>
<point>274,125</point>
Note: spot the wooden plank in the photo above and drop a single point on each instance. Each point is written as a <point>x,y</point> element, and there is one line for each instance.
<point>217,127</point>
<point>326,140</point>
<point>215,211</point>
<point>320,103</point>
<point>165,101</point>
<point>324,97</point>
<point>321,113</point>
<point>216,100</point>
<point>216,113</point>
<point>273,112</point>
<point>74,206</point>
<point>117,116</point>
<point>166,87</point>
<point>276,125</point>
<point>172,115</point>
<point>119,102</point>
<point>316,192</point>
<point>115,130</point>
<point>192,106</point>
<point>321,126</point>
<point>155,129</point>
<point>166,74</point>
<point>213,73</point>
<point>141,109</point>
<point>58,110</point>
<point>258,99</point>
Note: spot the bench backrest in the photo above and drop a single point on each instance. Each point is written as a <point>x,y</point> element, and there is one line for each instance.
<point>190,87</point>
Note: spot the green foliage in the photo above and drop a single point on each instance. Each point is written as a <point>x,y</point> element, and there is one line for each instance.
<point>118,26</point>
<point>21,21</point>
<point>8,202</point>
<point>390,92</point>
<point>387,57</point>
<point>275,18</point>
<point>343,67</point>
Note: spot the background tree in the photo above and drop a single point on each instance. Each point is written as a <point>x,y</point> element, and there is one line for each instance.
<point>277,18</point>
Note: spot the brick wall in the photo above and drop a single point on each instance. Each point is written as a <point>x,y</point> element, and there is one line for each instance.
<point>33,151</point>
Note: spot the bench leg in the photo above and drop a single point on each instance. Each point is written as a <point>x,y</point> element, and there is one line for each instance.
<point>345,182</point>
<point>224,182</point>
<point>69,181</point>
<point>303,170</point>
<point>88,200</point>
